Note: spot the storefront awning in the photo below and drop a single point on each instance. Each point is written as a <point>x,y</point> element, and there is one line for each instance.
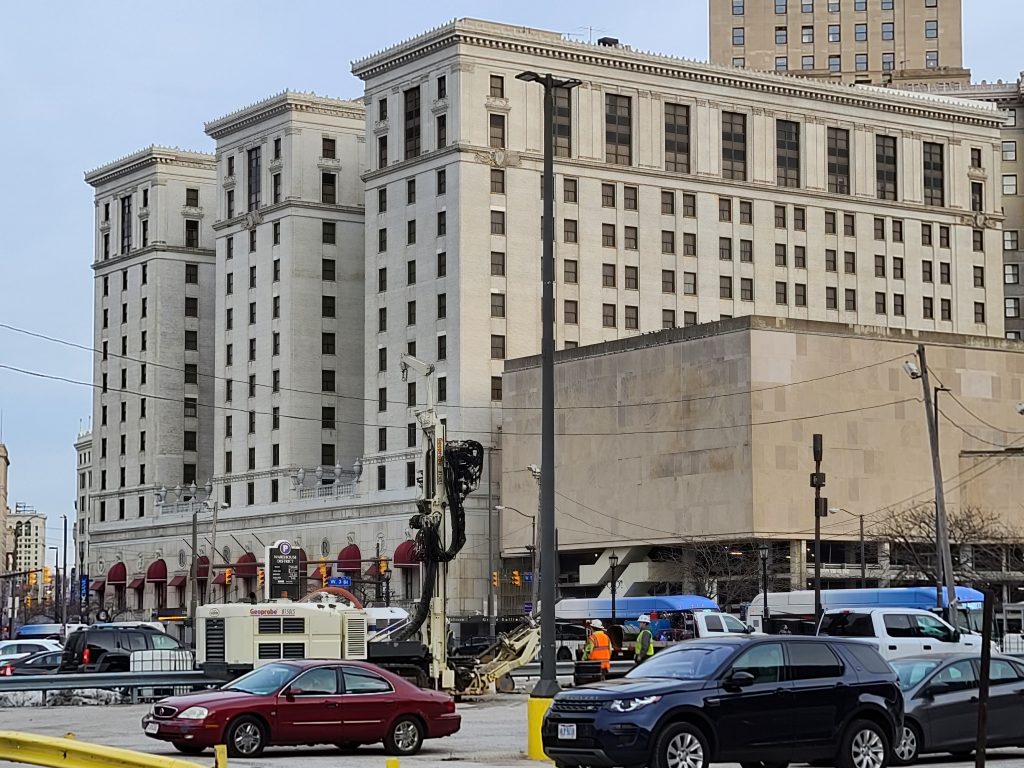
<point>178,581</point>
<point>137,583</point>
<point>157,571</point>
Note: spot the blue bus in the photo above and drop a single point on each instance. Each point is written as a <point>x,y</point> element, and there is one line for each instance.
<point>795,609</point>
<point>668,612</point>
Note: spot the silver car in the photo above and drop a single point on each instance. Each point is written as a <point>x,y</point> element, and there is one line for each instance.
<point>941,704</point>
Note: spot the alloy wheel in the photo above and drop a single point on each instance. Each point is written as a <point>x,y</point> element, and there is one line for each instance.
<point>406,735</point>
<point>868,749</point>
<point>686,751</point>
<point>906,750</point>
<point>247,738</point>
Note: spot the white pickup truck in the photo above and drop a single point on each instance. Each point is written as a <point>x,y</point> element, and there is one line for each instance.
<point>898,632</point>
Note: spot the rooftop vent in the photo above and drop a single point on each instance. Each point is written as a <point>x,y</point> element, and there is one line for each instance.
<point>611,42</point>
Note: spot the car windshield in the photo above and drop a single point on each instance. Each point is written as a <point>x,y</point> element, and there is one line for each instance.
<point>913,671</point>
<point>685,662</point>
<point>264,680</point>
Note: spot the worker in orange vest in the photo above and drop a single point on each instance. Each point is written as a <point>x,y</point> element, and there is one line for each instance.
<point>599,646</point>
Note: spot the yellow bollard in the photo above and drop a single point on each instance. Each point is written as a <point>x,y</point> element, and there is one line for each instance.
<point>220,756</point>
<point>391,762</point>
<point>535,711</point>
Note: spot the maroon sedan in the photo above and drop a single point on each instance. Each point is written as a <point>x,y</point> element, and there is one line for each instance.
<point>346,703</point>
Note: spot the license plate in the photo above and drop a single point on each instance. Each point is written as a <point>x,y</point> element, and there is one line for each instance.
<point>152,728</point>
<point>566,731</point>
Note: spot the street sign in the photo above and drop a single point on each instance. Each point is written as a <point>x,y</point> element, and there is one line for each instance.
<point>528,576</point>
<point>339,581</point>
<point>83,587</point>
<point>283,578</point>
<point>527,608</point>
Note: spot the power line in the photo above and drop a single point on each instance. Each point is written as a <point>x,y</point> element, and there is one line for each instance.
<point>978,418</point>
<point>969,433</point>
<point>215,377</point>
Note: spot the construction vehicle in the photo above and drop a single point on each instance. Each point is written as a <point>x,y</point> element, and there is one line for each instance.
<point>331,623</point>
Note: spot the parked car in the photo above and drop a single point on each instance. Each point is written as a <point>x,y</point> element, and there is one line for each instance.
<point>898,632</point>
<point>753,699</point>
<point>108,647</point>
<point>41,663</point>
<point>941,694</point>
<point>10,650</point>
<point>346,703</point>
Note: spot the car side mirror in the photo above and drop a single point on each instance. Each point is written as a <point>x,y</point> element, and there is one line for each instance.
<point>739,678</point>
<point>289,694</point>
<point>955,636</point>
<point>750,629</point>
<point>935,689</point>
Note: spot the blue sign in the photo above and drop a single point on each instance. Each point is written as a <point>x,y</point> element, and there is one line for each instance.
<point>83,585</point>
<point>339,581</point>
<point>527,608</point>
<point>528,576</point>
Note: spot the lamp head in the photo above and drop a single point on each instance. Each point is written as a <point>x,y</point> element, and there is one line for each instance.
<point>528,77</point>
<point>912,370</point>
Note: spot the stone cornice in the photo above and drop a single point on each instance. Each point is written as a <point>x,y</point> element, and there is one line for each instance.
<point>152,253</point>
<point>151,156</point>
<point>219,226</point>
<point>282,103</point>
<point>570,55</point>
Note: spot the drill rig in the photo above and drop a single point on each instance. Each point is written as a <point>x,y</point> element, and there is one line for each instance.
<point>450,472</point>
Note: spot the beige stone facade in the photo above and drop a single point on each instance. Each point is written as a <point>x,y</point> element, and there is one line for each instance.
<point>851,41</point>
<point>706,432</point>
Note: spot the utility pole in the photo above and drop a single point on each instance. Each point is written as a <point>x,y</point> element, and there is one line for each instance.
<point>863,556</point>
<point>820,510</point>
<point>194,571</point>
<point>943,554</point>
<point>492,613</point>
<point>613,563</point>
<point>64,582</point>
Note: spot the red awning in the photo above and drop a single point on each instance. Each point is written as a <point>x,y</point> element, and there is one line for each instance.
<point>245,566</point>
<point>157,571</point>
<point>177,581</point>
<point>349,559</point>
<point>373,571</point>
<point>137,583</point>
<point>97,585</point>
<point>117,574</point>
<point>203,567</point>
<point>406,555</point>
<point>219,578</point>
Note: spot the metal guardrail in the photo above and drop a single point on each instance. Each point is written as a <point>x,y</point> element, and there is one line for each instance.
<point>565,668</point>
<point>69,752</point>
<point>106,681</point>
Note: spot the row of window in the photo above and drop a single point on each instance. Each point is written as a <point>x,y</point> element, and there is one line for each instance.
<point>834,62</point>
<point>807,6</point>
<point>834,33</point>
<point>191,225</point>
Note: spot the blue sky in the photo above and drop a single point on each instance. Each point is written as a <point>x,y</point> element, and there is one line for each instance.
<point>83,83</point>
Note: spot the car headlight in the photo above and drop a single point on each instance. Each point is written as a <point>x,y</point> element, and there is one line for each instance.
<point>194,713</point>
<point>632,705</point>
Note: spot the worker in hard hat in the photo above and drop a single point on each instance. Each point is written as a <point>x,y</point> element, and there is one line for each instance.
<point>599,646</point>
<point>644,648</point>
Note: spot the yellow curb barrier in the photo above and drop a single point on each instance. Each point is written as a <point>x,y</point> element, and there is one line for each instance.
<point>69,752</point>
<point>535,711</point>
<point>391,762</point>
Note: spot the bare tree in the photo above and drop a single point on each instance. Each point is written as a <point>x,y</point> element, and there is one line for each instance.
<point>728,572</point>
<point>981,544</point>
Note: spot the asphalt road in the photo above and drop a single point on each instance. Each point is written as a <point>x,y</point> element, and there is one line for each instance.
<point>493,734</point>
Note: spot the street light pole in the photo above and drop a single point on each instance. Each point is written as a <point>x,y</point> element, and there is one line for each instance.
<point>63,582</point>
<point>194,571</point>
<point>532,548</point>
<point>547,686</point>
<point>820,510</point>
<point>613,561</point>
<point>764,550</point>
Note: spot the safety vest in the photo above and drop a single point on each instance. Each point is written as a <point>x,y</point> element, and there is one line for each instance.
<point>644,639</point>
<point>600,649</point>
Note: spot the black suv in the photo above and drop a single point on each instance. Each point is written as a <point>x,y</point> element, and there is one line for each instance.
<point>754,700</point>
<point>107,647</point>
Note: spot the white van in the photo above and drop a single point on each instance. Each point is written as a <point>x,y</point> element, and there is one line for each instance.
<point>898,632</point>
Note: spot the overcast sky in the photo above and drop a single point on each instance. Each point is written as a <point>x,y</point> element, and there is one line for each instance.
<point>83,83</point>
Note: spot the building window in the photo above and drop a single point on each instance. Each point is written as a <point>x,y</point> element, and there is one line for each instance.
<point>496,388</point>
<point>780,255</point>
<point>888,61</point>
<point>833,33</point>
<point>781,63</point>
<point>799,294</point>
<point>563,122</point>
<point>497,131</point>
<point>934,174</point>
<point>1011,274</point>
<point>807,62</point>
<point>327,306</point>
<point>850,262</point>
<point>629,238</point>
<point>668,241</point>
<point>850,299</point>
<point>608,235</point>
<point>608,275</point>
<point>442,307</point>
<point>835,63</point>
<point>897,304</point>
<point>328,233</point>
<point>690,283</point>
<point>570,274</point>
<point>926,272</point>
<point>126,224</point>
<point>780,217</point>
<point>787,153</point>
<point>737,7</point>
<point>1009,184</point>
<point>689,205</point>
<point>689,244</point>
<point>725,248</point>
<point>747,251</point>
<point>860,32</point>
<point>442,264</point>
<point>497,222</point>
<point>897,268</point>
<point>738,35</point>
<point>888,30</point>
<point>253,180</point>
<point>498,263</point>
<point>927,308</point>
<point>897,231</point>
<point>570,312</point>
<point>1010,239</point>
<point>412,123</point>
<point>734,146</point>
<point>885,167</point>
<point>978,239</point>
<point>838,157</point>
<point>879,266</point>
<point>724,287</point>
<point>608,315</point>
<point>442,223</point>
<point>497,305</point>
<point>632,318</point>
<point>497,347</point>
<point>943,237</point>
<point>746,212</point>
<point>849,225</point>
<point>632,282</point>
<point>497,87</point>
<point>569,230</point>
<point>1009,150</point>
<point>831,298</point>
<point>668,318</point>
<point>677,138</point>
<point>618,129</point>
<point>879,228</point>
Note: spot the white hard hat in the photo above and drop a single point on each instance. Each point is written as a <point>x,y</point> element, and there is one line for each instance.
<point>644,619</point>
<point>596,623</point>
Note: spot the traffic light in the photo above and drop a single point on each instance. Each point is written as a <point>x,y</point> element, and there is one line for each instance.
<point>517,579</point>
<point>494,578</point>
<point>28,601</point>
<point>32,579</point>
<point>260,576</point>
<point>46,574</point>
<point>323,572</point>
<point>382,566</point>
<point>227,577</point>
